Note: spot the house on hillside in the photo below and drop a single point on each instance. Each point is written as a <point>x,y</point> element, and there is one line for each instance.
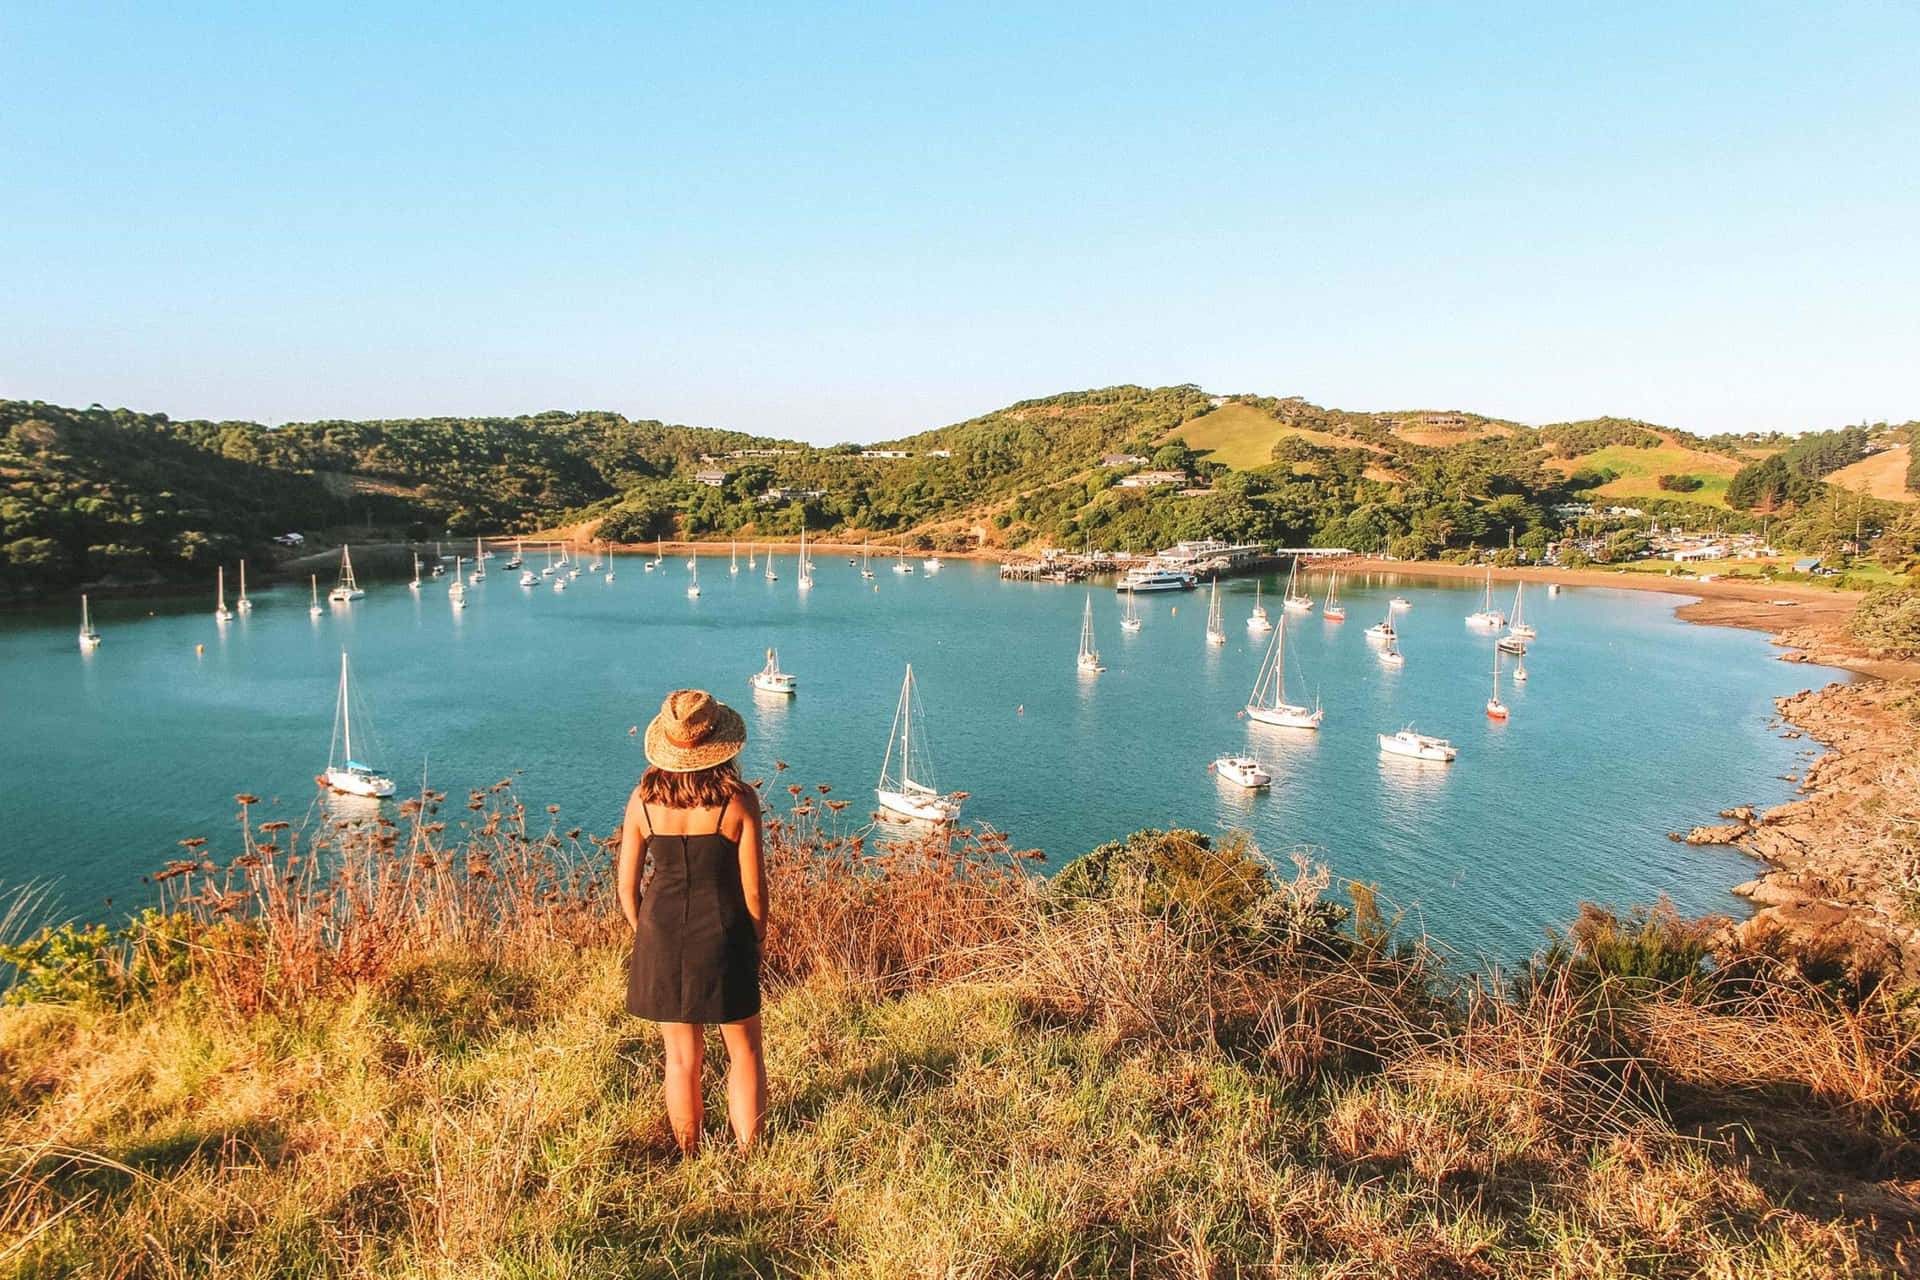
<point>939,453</point>
<point>779,494</point>
<point>1123,460</point>
<point>712,478</point>
<point>885,453</point>
<point>1152,479</point>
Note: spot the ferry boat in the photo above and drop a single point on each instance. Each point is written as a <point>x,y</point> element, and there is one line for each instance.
<point>1244,771</point>
<point>771,679</point>
<point>1139,580</point>
<point>1417,746</point>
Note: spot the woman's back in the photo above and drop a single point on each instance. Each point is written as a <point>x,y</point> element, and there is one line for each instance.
<point>696,951</point>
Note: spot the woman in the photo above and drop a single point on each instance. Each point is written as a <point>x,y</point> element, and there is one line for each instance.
<point>698,925</point>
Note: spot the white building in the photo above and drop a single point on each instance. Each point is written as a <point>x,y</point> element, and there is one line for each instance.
<point>712,479</point>
<point>1149,479</point>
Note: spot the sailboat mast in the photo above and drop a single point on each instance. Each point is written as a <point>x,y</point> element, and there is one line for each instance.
<point>346,708</point>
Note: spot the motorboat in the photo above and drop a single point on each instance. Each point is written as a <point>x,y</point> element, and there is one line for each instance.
<point>1417,746</point>
<point>1243,771</point>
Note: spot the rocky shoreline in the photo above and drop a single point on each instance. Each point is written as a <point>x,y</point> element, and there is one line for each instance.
<point>1843,886</point>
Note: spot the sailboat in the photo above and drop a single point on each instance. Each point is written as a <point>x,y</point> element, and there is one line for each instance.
<point>528,578</point>
<point>346,589</point>
<point>1258,621</point>
<point>243,604</point>
<point>479,561</point>
<point>89,638</point>
<point>457,590</point>
<point>546,570</point>
<point>1268,702</point>
<point>1130,620</point>
<point>1496,709</point>
<point>770,575</point>
<point>902,793</point>
<point>415,584</point>
<point>573,562</point>
<point>1295,602</point>
<point>1214,634</point>
<point>351,777</point>
<point>439,565</point>
<point>519,552</point>
<point>1520,671</point>
<point>220,610</point>
<point>866,560</point>
<point>595,566</point>
<point>659,552</point>
<point>1520,626</point>
<point>750,561</point>
<point>806,565</point>
<point>313,584</point>
<point>901,565</point>
<point>733,565</point>
<point>1333,610</point>
<point>1089,660</point>
<point>609,562</point>
<point>771,679</point>
<point>1486,615</point>
<point>1390,652</point>
<point>693,583</point>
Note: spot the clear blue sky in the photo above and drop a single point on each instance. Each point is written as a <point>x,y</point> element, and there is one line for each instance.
<point>858,221</point>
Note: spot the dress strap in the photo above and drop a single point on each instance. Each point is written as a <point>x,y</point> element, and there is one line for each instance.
<point>721,819</point>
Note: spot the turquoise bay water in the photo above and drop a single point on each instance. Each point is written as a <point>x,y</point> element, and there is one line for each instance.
<point>1633,723</point>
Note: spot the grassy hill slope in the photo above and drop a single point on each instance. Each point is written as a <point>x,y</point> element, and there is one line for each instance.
<point>1638,470</point>
<point>1883,476</point>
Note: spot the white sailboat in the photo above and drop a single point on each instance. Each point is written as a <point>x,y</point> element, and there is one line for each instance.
<point>1295,602</point>
<point>439,565</point>
<point>573,561</point>
<point>1214,633</point>
<point>609,562</point>
<point>313,584</point>
<point>750,564</point>
<point>1130,620</point>
<point>693,583</point>
<point>528,578</point>
<point>479,561</point>
<point>89,638</point>
<point>1486,615</point>
<point>457,590</point>
<point>1496,709</point>
<point>1519,626</point>
<point>1333,610</point>
<point>415,584</point>
<point>243,604</point>
<point>519,553</point>
<point>546,570</point>
<point>1268,702</point>
<point>866,560</point>
<point>1258,621</point>
<point>220,610</point>
<point>346,589</point>
<point>771,679</point>
<point>1520,671</point>
<point>1417,746</point>
<point>733,565</point>
<point>806,565</point>
<point>351,777</point>
<point>909,792</point>
<point>1089,659</point>
<point>560,581</point>
<point>901,565</point>
<point>770,575</point>
<point>1398,603</point>
<point>595,566</point>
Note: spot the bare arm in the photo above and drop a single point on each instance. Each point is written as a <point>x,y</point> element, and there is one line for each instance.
<point>633,839</point>
<point>753,871</point>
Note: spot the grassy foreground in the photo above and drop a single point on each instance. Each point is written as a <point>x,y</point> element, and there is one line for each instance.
<point>1172,1062</point>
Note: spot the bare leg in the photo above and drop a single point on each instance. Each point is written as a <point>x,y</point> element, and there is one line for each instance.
<point>685,1044</point>
<point>746,1080</point>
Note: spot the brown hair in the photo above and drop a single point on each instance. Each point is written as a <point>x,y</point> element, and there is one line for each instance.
<point>700,789</point>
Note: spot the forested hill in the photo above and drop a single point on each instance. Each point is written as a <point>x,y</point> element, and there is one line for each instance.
<point>101,495</point>
<point>91,495</point>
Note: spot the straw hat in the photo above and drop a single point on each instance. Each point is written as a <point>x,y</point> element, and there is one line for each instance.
<point>694,731</point>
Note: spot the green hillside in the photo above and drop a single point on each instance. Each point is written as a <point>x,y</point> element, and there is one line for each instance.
<point>1636,471</point>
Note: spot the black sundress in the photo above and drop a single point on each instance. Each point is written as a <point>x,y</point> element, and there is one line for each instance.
<point>696,957</point>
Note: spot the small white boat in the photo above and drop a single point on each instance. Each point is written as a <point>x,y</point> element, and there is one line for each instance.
<point>559,582</point>
<point>932,564</point>
<point>1553,588</point>
<point>1486,615</point>
<point>1257,621</point>
<point>771,679</point>
<point>609,562</point>
<point>770,575</point>
<point>415,584</point>
<point>1215,635</point>
<point>733,565</point>
<point>1130,620</point>
<point>1089,659</point>
<point>866,560</point>
<point>439,565</point>
<point>750,563</point>
<point>1243,771</point>
<point>89,638</point>
<point>1510,644</point>
<point>1520,626</point>
<point>693,585</point>
<point>1382,632</point>
<point>457,590</point>
<point>313,584</point>
<point>220,610</point>
<point>519,553</point>
<point>1520,672</point>
<point>1398,603</point>
<point>1294,601</point>
<point>806,565</point>
<point>479,561</point>
<point>1268,704</point>
<point>1333,610</point>
<point>595,566</point>
<point>909,791</point>
<point>346,589</point>
<point>351,777</point>
<point>528,578</point>
<point>1496,709</point>
<point>1417,746</point>
<point>243,604</point>
<point>901,565</point>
